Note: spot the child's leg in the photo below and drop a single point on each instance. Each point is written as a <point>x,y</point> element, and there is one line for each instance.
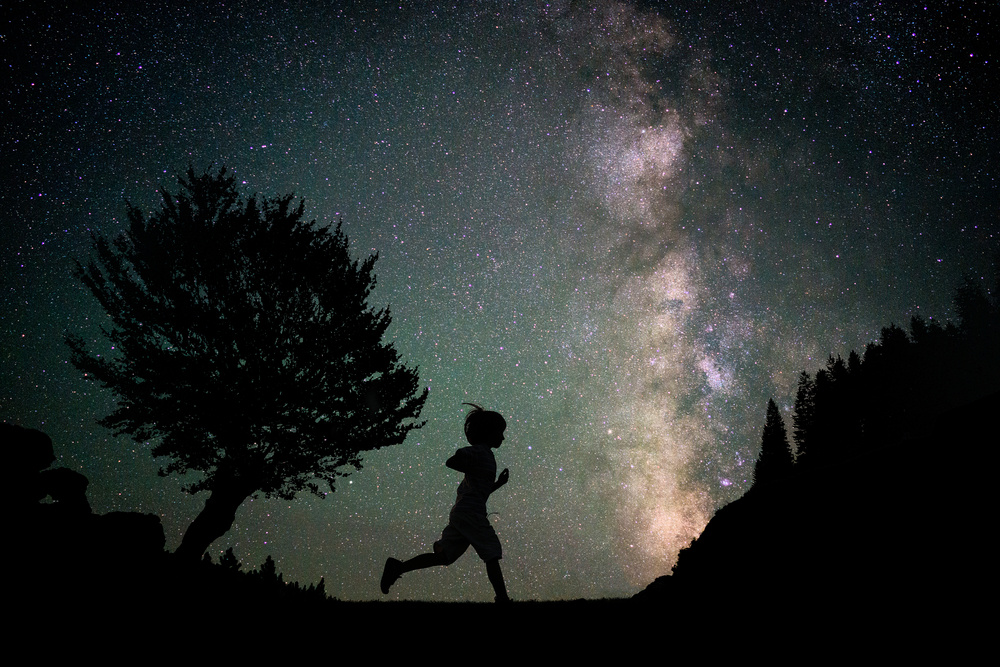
<point>424,560</point>
<point>394,569</point>
<point>446,551</point>
<point>495,574</point>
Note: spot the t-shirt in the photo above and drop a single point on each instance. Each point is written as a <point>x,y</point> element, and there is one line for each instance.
<point>480,468</point>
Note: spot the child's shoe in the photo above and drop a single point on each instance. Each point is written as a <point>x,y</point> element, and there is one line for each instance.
<point>393,570</point>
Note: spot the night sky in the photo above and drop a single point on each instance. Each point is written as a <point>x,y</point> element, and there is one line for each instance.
<point>624,226</point>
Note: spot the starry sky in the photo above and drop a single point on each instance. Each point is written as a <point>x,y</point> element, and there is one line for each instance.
<point>625,226</point>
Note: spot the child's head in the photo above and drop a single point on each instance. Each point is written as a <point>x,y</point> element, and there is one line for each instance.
<point>482,426</point>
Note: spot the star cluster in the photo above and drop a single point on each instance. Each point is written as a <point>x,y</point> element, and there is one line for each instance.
<point>623,225</point>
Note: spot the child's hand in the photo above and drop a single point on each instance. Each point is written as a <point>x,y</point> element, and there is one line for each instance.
<point>504,476</point>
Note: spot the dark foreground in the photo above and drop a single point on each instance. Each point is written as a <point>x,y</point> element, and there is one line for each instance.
<point>886,555</point>
<point>186,614</point>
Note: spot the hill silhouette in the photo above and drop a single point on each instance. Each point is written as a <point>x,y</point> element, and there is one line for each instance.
<point>883,515</point>
<point>896,533</point>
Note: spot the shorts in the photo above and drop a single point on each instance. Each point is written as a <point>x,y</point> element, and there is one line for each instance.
<point>465,529</point>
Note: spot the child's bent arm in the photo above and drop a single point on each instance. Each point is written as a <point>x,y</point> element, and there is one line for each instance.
<point>457,462</point>
<point>501,479</point>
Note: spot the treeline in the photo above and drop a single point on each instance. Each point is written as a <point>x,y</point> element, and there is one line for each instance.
<point>264,584</point>
<point>889,393</point>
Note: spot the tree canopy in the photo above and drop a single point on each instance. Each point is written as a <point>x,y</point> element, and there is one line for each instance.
<point>244,346</point>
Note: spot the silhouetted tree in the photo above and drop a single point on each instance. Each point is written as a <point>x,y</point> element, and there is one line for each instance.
<point>229,561</point>
<point>804,419</point>
<point>977,337</point>
<point>977,315</point>
<point>822,438</point>
<point>844,414</point>
<point>268,572</point>
<point>243,340</point>
<point>853,364</point>
<point>775,460</point>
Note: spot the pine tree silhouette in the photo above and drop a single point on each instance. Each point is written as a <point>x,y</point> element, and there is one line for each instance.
<point>804,419</point>
<point>775,459</point>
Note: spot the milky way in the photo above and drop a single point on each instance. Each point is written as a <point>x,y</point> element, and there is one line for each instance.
<point>625,226</point>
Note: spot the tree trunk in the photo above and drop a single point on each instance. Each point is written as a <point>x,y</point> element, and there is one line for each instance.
<point>213,522</point>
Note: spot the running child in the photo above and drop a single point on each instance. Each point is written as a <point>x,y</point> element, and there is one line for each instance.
<point>468,523</point>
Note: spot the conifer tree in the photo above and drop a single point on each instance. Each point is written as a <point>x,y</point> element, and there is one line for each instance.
<point>775,459</point>
<point>804,419</point>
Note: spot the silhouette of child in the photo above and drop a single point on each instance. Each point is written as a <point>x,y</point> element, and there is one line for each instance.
<point>467,523</point>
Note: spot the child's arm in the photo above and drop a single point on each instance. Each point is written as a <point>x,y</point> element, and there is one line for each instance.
<point>459,461</point>
<point>501,479</point>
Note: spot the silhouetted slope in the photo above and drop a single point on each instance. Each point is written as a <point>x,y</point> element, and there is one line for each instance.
<point>899,529</point>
